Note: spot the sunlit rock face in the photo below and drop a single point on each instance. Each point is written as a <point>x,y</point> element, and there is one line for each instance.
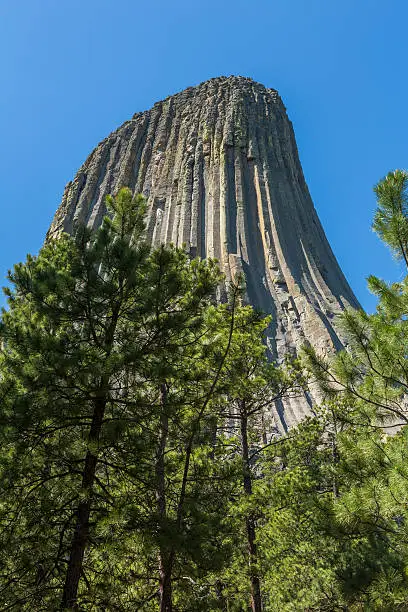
<point>219,166</point>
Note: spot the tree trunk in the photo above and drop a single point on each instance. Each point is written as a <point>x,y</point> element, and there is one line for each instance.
<point>80,538</point>
<point>165,584</point>
<point>81,535</point>
<point>256,600</point>
<point>165,556</point>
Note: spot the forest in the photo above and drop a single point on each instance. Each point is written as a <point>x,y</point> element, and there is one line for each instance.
<point>140,468</point>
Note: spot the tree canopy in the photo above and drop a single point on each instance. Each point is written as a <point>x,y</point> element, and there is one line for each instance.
<point>140,468</point>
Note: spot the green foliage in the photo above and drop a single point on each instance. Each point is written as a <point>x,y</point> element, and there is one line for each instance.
<point>140,465</point>
<point>365,390</point>
<point>391,217</point>
<point>97,323</point>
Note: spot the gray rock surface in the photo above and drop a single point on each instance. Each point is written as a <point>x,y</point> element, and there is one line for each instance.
<point>219,166</point>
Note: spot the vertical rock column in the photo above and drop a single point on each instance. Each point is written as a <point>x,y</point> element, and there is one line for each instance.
<point>219,166</point>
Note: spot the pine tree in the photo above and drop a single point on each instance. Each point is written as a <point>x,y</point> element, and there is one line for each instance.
<point>140,468</point>
<point>87,319</point>
<point>366,386</point>
<point>254,385</point>
<point>183,466</point>
<point>391,216</point>
<point>372,373</point>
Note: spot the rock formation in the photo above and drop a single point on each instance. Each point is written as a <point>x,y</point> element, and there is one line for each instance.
<point>219,166</point>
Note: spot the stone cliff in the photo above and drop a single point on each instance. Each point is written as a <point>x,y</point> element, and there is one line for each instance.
<point>219,166</point>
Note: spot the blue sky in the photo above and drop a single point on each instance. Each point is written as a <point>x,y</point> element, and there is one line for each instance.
<point>72,71</point>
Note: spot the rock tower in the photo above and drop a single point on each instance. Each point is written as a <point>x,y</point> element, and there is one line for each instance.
<point>219,166</point>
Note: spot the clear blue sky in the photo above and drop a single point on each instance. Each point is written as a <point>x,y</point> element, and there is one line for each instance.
<point>74,70</point>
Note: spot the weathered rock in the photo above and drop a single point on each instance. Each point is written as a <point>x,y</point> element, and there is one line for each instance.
<point>220,168</point>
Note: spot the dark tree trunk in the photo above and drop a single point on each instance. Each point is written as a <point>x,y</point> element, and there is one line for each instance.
<point>80,539</point>
<point>256,600</point>
<point>165,584</point>
<point>165,556</point>
<point>81,535</point>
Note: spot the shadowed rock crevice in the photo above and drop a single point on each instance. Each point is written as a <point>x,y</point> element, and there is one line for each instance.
<point>219,166</point>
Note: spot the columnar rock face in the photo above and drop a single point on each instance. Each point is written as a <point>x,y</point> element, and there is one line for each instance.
<point>219,166</point>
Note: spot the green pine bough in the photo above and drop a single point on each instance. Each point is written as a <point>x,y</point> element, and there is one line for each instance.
<point>139,469</point>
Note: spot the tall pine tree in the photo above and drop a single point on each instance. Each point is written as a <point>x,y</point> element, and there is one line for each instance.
<point>91,322</point>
